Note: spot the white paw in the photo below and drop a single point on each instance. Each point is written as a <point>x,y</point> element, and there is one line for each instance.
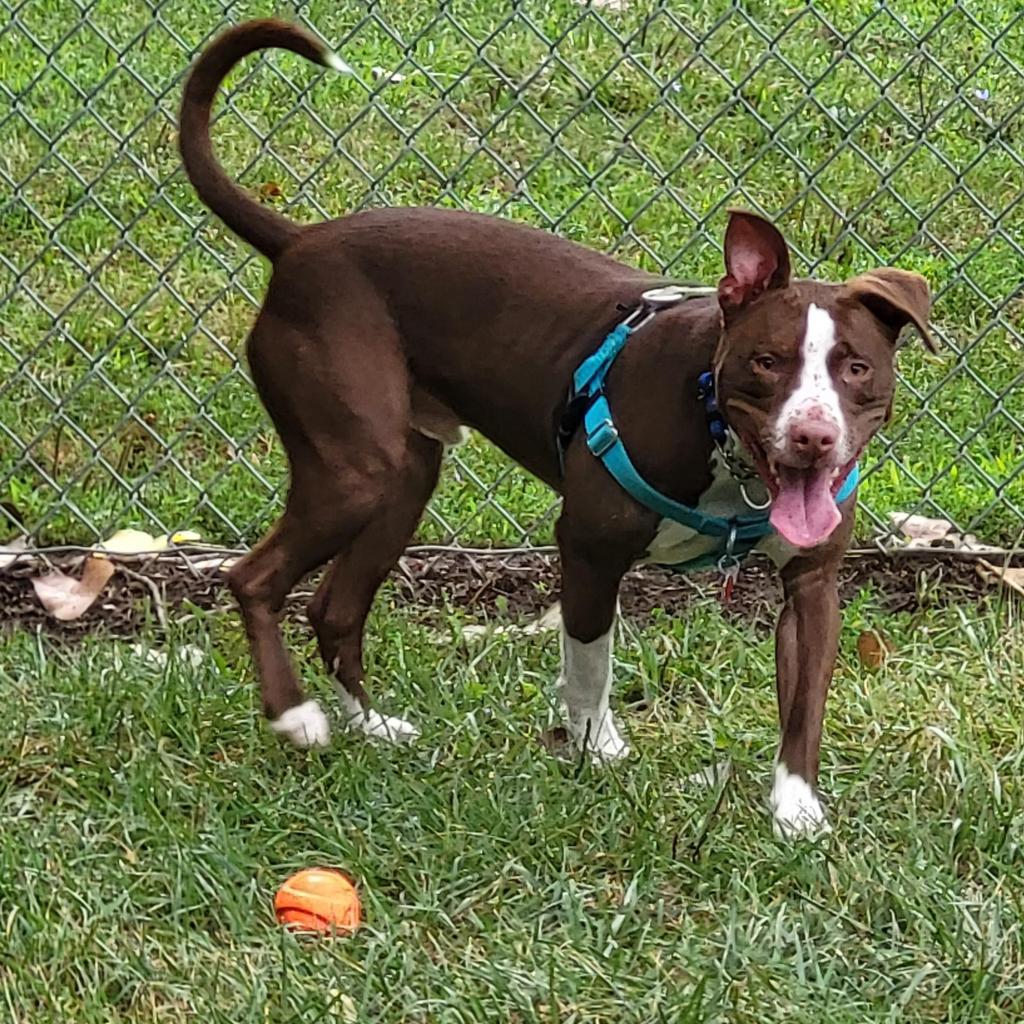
<point>382,727</point>
<point>372,723</point>
<point>796,808</point>
<point>304,725</point>
<point>599,735</point>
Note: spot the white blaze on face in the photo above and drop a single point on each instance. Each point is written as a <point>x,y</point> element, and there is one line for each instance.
<point>814,396</point>
<point>804,511</point>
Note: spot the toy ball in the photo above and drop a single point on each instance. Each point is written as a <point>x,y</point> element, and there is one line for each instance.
<point>319,900</point>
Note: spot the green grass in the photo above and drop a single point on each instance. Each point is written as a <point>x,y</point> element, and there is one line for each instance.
<point>149,817</point>
<point>147,814</point>
<point>122,334</point>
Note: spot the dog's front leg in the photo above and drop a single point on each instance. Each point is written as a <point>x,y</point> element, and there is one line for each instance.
<point>590,591</point>
<point>806,643</point>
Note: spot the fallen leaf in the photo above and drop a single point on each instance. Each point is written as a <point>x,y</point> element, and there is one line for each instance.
<point>11,553</point>
<point>270,190</point>
<point>872,649</point>
<point>380,73</point>
<point>180,537</point>
<point>549,621</point>
<point>1011,576</point>
<point>922,529</point>
<point>138,542</point>
<point>66,598</point>
<point>922,532</point>
<point>711,776</point>
<point>343,1007</point>
<point>219,562</point>
<point>189,653</point>
<point>132,542</point>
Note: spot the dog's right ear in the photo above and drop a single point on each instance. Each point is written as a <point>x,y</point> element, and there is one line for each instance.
<point>756,259</point>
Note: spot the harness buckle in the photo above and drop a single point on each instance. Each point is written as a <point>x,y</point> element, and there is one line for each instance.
<point>604,436</point>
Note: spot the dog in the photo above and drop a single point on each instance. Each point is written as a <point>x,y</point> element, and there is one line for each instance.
<point>385,333</point>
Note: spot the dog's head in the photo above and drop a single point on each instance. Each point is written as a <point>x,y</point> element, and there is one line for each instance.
<point>805,370</point>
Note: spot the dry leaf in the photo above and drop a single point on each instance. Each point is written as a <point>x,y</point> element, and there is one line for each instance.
<point>872,649</point>
<point>188,653</point>
<point>549,621</point>
<point>220,562</point>
<point>138,542</point>
<point>546,623</point>
<point>66,598</point>
<point>1009,575</point>
<point>922,532</point>
<point>921,529</point>
<point>711,776</point>
<point>180,537</point>
<point>132,542</point>
<point>388,76</point>
<point>270,190</point>
<point>11,553</point>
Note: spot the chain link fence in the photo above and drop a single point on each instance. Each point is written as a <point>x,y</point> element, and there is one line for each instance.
<point>873,133</point>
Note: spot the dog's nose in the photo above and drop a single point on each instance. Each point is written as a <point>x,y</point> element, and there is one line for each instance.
<point>813,439</point>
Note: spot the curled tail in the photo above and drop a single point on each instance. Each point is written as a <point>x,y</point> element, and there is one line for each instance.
<point>263,228</point>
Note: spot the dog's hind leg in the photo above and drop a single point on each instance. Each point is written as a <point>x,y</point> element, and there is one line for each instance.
<point>340,402</point>
<point>339,608</point>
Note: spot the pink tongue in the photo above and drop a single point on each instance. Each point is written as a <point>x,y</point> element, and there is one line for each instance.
<point>805,513</point>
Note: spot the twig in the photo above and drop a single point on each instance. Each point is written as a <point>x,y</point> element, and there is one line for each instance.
<point>158,601</point>
<point>706,827</point>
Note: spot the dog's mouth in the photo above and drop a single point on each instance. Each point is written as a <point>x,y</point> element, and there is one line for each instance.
<point>804,510</point>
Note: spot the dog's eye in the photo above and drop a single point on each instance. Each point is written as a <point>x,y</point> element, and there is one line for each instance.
<point>764,362</point>
<point>859,369</point>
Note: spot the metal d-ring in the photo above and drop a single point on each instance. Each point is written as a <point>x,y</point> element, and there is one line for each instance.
<point>767,503</point>
<point>728,560</point>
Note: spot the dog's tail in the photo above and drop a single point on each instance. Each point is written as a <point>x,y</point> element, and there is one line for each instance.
<point>262,227</point>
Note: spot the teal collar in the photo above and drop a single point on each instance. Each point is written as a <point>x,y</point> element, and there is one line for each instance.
<point>737,535</point>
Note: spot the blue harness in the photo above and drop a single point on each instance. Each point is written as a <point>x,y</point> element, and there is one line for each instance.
<point>737,535</point>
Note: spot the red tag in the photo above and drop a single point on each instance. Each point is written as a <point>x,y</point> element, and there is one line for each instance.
<point>729,583</point>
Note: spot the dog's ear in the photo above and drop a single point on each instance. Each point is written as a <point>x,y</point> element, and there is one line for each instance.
<point>756,259</point>
<point>896,298</point>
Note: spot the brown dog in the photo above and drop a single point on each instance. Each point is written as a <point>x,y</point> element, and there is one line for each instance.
<point>384,332</point>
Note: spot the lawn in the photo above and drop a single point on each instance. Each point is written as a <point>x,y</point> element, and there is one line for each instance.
<point>122,400</point>
<point>149,816</point>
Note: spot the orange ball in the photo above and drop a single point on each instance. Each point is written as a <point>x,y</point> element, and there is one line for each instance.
<point>318,900</point>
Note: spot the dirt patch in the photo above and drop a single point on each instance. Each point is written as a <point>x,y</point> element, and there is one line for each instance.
<point>511,588</point>
<point>524,588</point>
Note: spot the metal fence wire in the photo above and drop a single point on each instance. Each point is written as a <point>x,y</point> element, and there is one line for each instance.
<point>874,133</point>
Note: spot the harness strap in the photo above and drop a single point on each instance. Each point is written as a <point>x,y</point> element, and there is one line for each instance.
<point>604,442</point>
<point>738,534</point>
<point>849,484</point>
<point>590,374</point>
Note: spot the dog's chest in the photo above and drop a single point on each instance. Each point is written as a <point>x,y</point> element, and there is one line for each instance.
<point>675,544</point>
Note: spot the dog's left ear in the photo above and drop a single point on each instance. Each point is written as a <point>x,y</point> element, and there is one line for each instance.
<point>896,298</point>
<point>756,259</point>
